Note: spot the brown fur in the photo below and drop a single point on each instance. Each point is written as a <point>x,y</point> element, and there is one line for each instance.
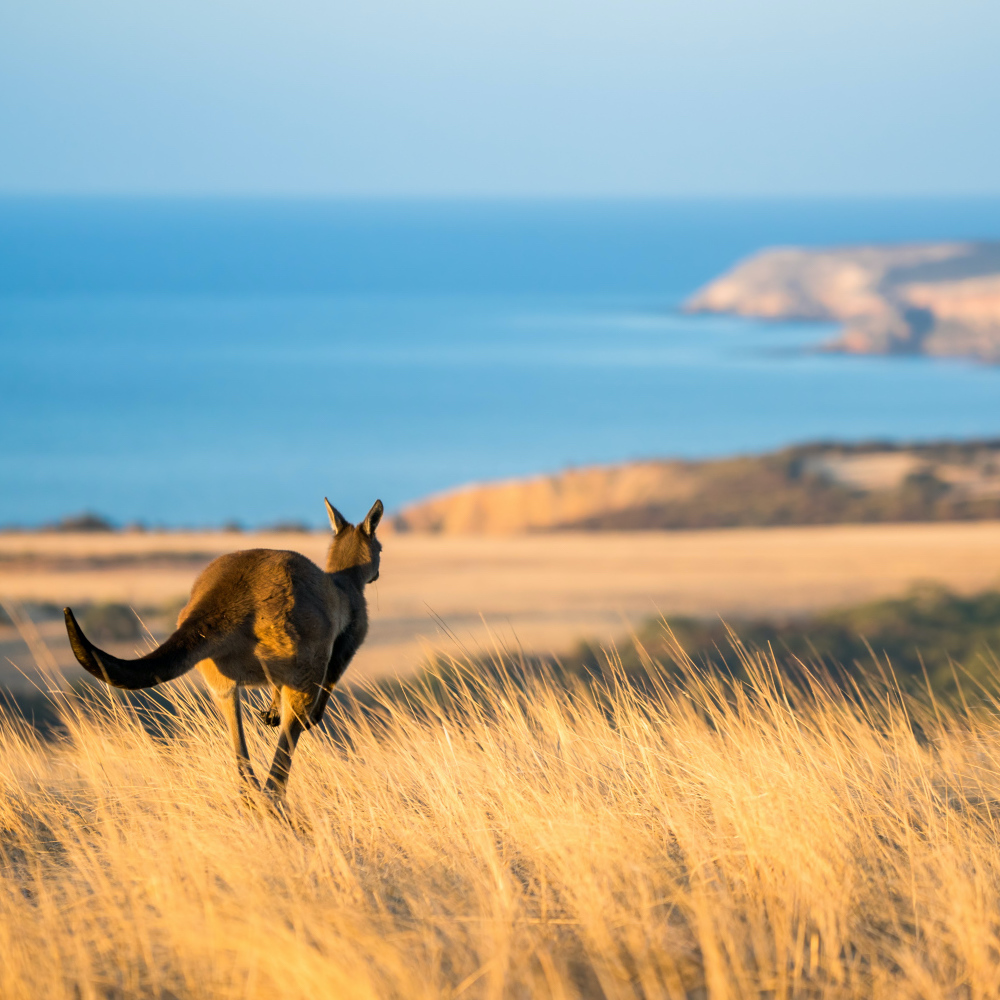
<point>263,617</point>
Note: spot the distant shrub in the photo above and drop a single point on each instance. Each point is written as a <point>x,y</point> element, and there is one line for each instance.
<point>86,521</point>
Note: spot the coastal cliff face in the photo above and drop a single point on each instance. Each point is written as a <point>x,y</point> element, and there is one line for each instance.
<point>810,484</point>
<point>938,299</point>
<point>548,502</point>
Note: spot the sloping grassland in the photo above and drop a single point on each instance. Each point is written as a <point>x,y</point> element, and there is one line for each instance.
<point>514,834</point>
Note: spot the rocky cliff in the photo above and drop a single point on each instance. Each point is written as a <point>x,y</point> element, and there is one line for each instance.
<point>939,298</point>
<point>810,484</point>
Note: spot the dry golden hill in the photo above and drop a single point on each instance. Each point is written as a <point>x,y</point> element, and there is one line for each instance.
<point>809,484</point>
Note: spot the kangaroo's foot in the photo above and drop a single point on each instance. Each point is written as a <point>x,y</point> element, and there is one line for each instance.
<point>248,781</point>
<point>252,800</point>
<point>277,806</point>
<point>250,790</point>
<point>265,805</point>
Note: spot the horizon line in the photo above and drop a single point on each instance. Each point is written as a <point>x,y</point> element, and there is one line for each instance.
<point>485,198</point>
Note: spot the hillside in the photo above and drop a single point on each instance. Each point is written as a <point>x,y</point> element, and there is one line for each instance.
<point>940,299</point>
<point>808,484</point>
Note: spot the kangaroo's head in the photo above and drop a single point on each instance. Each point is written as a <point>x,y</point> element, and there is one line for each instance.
<point>355,547</point>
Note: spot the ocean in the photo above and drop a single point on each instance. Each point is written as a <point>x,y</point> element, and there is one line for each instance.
<point>189,363</point>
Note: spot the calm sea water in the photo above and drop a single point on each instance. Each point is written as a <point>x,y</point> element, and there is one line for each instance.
<point>193,362</point>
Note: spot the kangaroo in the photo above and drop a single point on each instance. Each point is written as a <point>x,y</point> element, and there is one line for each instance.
<point>263,617</point>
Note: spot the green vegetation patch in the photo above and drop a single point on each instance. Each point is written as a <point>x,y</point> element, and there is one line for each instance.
<point>931,635</point>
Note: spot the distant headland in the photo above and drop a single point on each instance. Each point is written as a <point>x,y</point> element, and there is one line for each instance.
<point>807,484</point>
<point>939,299</point>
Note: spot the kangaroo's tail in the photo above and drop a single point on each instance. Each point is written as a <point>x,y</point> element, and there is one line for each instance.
<point>176,656</point>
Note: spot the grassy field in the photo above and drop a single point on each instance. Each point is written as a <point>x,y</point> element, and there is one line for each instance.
<point>513,833</point>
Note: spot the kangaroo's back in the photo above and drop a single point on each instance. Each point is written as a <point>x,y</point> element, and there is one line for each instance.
<point>273,600</point>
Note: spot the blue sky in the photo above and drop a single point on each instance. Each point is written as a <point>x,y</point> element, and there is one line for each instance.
<point>511,98</point>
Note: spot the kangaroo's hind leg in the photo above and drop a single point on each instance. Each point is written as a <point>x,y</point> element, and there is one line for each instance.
<point>233,714</point>
<point>227,697</point>
<point>296,707</point>
<point>344,647</point>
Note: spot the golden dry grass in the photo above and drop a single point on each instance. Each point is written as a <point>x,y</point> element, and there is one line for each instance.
<point>507,838</point>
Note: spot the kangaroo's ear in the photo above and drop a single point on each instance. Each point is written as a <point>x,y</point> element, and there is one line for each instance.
<point>372,518</point>
<point>337,520</point>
